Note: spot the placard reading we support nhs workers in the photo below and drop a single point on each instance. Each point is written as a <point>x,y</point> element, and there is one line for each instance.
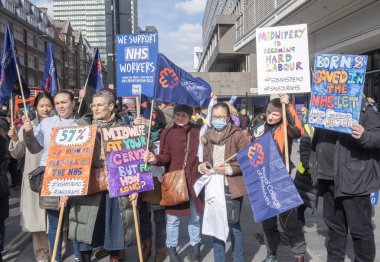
<point>136,62</point>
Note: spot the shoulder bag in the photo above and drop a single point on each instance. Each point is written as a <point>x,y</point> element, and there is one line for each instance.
<point>174,185</point>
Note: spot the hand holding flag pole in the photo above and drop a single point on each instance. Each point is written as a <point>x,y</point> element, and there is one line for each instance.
<point>22,91</point>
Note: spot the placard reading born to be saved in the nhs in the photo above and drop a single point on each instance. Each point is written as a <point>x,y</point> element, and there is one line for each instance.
<point>136,62</point>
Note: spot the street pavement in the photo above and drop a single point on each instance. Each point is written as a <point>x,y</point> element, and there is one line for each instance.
<point>18,245</point>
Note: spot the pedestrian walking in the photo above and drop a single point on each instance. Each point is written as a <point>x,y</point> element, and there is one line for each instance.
<point>33,218</point>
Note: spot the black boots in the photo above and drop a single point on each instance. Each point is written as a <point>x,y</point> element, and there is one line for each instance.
<point>195,253</point>
<point>173,255</point>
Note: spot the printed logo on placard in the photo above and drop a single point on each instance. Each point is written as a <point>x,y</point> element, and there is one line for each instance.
<point>256,155</point>
<point>168,78</point>
<point>136,89</point>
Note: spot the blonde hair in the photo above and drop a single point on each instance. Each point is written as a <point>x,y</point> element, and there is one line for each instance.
<point>233,110</point>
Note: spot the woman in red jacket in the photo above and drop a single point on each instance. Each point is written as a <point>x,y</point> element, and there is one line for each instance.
<point>172,155</point>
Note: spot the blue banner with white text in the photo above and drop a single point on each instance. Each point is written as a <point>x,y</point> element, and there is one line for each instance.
<point>136,61</point>
<point>270,188</point>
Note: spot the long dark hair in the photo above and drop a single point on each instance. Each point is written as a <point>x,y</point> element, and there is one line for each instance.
<point>43,95</point>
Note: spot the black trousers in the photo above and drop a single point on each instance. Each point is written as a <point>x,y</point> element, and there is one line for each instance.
<point>341,214</point>
<point>292,228</point>
<point>146,224</point>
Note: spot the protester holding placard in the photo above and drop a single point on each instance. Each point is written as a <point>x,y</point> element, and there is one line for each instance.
<point>96,219</point>
<point>172,155</point>
<point>33,218</point>
<point>346,167</point>
<point>288,220</point>
<point>150,203</point>
<point>220,143</point>
<point>37,139</point>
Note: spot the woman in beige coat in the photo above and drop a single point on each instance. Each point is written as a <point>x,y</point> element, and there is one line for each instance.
<point>33,218</point>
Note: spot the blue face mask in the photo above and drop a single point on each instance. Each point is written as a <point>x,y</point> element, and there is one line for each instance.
<point>219,124</point>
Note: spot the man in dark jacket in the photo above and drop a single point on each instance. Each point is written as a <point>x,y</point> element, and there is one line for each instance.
<point>347,170</point>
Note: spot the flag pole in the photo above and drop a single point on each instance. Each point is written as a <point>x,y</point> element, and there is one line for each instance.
<point>137,231</point>
<point>85,87</point>
<point>22,90</point>
<point>138,104</point>
<point>150,127</point>
<point>58,233</point>
<point>11,105</point>
<point>286,150</point>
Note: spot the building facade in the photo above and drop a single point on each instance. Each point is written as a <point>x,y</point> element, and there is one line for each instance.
<point>87,16</point>
<point>334,26</point>
<point>32,30</point>
<point>121,18</point>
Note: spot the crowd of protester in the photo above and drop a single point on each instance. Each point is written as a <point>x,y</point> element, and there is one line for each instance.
<point>342,168</point>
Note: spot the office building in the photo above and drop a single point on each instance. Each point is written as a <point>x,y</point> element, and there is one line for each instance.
<point>32,29</point>
<point>87,16</point>
<point>334,26</point>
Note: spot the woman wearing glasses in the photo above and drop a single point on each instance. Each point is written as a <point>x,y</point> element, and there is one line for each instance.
<point>220,143</point>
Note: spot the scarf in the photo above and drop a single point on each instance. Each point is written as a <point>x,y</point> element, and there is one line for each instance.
<point>105,123</point>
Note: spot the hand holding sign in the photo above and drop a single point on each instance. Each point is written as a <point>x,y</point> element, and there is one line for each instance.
<point>357,131</point>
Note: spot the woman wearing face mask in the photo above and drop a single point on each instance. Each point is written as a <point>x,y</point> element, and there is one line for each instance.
<point>220,143</point>
<point>288,220</point>
<point>172,155</point>
<point>37,139</point>
<point>33,218</point>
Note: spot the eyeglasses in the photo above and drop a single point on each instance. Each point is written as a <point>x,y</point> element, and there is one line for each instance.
<point>219,117</point>
<point>93,106</point>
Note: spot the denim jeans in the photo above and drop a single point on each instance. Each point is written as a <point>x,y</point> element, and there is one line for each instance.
<point>53,217</point>
<point>237,242</point>
<point>172,228</point>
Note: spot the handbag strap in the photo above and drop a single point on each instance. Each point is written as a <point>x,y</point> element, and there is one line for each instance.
<point>187,151</point>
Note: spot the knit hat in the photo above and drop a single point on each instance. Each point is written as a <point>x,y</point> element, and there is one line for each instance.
<point>183,108</point>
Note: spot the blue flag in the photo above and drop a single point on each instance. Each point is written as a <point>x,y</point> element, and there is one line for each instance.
<point>146,108</point>
<point>270,188</point>
<point>9,82</point>
<point>95,77</point>
<point>49,82</point>
<point>175,85</point>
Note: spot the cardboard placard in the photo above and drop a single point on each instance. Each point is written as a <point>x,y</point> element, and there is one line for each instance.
<point>136,62</point>
<point>282,59</point>
<point>336,95</point>
<point>69,160</point>
<point>124,148</point>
